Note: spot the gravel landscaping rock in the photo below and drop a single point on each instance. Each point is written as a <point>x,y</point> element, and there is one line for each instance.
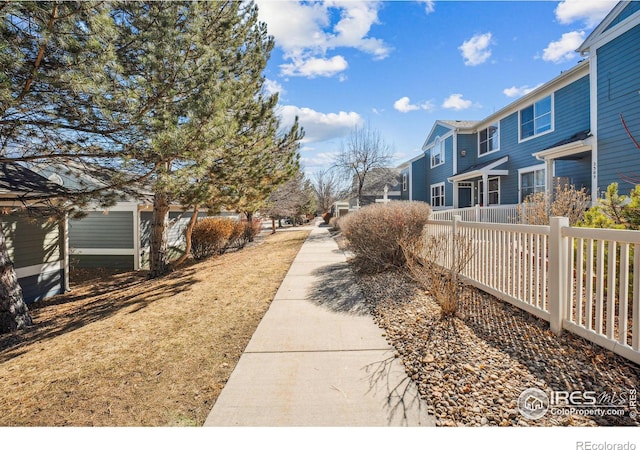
<point>472,368</point>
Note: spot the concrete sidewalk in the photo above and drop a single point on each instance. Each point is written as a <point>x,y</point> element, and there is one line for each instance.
<point>317,358</point>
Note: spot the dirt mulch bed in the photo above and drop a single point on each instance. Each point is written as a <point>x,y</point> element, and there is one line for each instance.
<point>126,351</point>
<point>472,368</point>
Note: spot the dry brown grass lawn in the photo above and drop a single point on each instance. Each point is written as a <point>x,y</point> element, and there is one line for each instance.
<point>126,351</point>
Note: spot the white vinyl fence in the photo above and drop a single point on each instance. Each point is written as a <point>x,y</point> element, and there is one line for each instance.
<point>489,214</point>
<point>583,280</point>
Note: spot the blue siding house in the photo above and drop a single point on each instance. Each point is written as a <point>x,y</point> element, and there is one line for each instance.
<point>413,175</point>
<point>613,49</point>
<point>569,131</point>
<point>36,240</point>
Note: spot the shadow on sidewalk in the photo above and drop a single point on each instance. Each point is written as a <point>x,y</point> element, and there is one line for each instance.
<point>337,290</point>
<point>403,404</point>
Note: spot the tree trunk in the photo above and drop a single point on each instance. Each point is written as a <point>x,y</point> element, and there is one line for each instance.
<point>158,256</point>
<point>14,314</point>
<point>187,237</point>
<point>273,225</point>
<point>249,215</point>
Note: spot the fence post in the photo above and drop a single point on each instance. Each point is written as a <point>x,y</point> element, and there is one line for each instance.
<point>478,218</point>
<point>558,279</point>
<point>454,233</point>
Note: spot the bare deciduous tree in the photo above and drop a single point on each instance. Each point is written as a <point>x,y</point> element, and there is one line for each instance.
<point>362,152</point>
<point>329,188</point>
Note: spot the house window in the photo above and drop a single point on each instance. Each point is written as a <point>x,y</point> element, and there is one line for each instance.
<point>489,139</point>
<point>537,118</point>
<point>531,182</point>
<point>404,181</point>
<point>437,195</point>
<point>494,192</point>
<point>437,153</point>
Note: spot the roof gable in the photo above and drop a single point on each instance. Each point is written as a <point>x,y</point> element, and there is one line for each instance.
<point>450,126</point>
<point>619,14</point>
<point>18,181</point>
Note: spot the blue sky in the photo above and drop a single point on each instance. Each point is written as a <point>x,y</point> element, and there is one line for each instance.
<point>399,66</point>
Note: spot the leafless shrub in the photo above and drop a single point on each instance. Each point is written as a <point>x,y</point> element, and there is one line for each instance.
<point>436,263</point>
<point>567,202</point>
<point>333,224</point>
<point>375,233</point>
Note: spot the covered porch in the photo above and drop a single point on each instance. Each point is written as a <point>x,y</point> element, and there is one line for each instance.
<point>569,162</point>
<point>479,184</point>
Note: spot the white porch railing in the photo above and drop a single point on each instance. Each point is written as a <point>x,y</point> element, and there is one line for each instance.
<point>583,280</point>
<point>487,214</point>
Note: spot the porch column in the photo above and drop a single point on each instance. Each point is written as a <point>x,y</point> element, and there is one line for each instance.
<point>136,237</point>
<point>65,251</point>
<point>550,169</point>
<point>485,189</point>
<point>455,194</point>
<point>410,181</point>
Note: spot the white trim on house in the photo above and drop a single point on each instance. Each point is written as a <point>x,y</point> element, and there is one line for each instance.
<point>562,151</point>
<point>483,189</point>
<point>488,170</point>
<point>454,153</point>
<point>530,169</point>
<point>433,128</point>
<point>39,269</point>
<point>102,251</point>
<point>564,79</point>
<point>440,143</point>
<point>593,92</point>
<point>600,35</point>
<point>532,104</point>
<point>482,155</point>
<point>443,195</point>
<point>550,155</point>
<point>65,251</point>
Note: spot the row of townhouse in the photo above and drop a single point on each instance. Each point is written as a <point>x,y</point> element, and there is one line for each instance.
<point>567,131</point>
<point>44,247</point>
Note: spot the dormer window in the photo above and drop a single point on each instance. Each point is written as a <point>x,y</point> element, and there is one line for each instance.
<point>437,152</point>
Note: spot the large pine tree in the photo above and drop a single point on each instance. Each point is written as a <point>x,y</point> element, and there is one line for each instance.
<point>195,64</point>
<point>52,57</point>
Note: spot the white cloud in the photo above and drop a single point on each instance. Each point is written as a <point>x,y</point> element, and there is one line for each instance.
<point>354,25</point>
<point>315,67</point>
<point>455,101</point>
<point>305,31</point>
<point>476,50</point>
<point>320,126</point>
<point>317,160</point>
<point>514,91</point>
<point>591,12</point>
<point>273,87</point>
<point>429,6</point>
<point>404,105</point>
<point>565,48</point>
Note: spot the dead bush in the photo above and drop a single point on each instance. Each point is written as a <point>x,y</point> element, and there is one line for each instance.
<point>236,237</point>
<point>210,236</point>
<point>333,224</point>
<point>375,232</point>
<point>567,201</point>
<point>251,230</point>
<point>436,263</point>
